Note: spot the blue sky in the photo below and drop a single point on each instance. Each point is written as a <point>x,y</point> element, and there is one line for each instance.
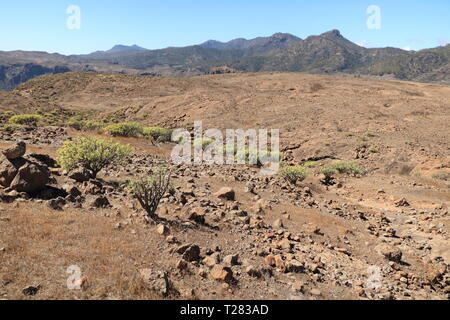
<point>42,25</point>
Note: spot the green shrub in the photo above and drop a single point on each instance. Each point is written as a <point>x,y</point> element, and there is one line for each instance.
<point>158,134</point>
<point>86,125</point>
<point>309,164</point>
<point>150,190</point>
<point>258,157</point>
<point>445,176</point>
<point>345,167</point>
<point>9,113</point>
<point>125,129</point>
<point>6,115</point>
<point>293,174</point>
<point>373,149</point>
<point>328,172</point>
<point>26,119</point>
<point>92,154</point>
<point>75,123</point>
<point>12,127</point>
<point>92,125</point>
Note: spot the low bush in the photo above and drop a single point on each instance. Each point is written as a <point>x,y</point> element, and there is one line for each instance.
<point>26,119</point>
<point>150,190</point>
<point>293,174</point>
<point>257,157</point>
<point>92,154</point>
<point>444,176</point>
<point>309,164</point>
<point>12,127</point>
<point>343,167</point>
<point>158,134</point>
<point>85,125</point>
<point>125,129</point>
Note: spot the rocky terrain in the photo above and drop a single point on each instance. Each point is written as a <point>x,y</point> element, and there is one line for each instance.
<point>327,53</point>
<point>226,232</point>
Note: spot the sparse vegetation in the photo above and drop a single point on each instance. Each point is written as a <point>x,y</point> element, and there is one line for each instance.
<point>86,125</point>
<point>158,134</point>
<point>444,176</point>
<point>26,119</point>
<point>369,134</point>
<point>125,129</point>
<point>293,174</point>
<point>309,164</point>
<point>12,127</point>
<point>150,190</point>
<point>92,154</point>
<point>342,167</point>
<point>257,157</point>
<point>372,149</point>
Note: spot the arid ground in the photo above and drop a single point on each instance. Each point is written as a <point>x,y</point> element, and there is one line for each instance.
<point>384,234</point>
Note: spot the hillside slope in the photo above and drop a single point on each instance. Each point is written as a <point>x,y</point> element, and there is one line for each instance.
<point>327,53</point>
<point>265,238</point>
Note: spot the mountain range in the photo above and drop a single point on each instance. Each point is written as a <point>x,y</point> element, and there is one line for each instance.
<point>327,53</point>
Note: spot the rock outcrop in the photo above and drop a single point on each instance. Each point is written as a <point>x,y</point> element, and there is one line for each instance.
<point>20,174</point>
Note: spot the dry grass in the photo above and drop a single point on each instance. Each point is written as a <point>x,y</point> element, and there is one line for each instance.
<point>40,245</point>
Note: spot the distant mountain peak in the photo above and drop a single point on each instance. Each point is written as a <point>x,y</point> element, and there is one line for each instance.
<point>122,48</point>
<point>333,33</point>
<point>261,44</point>
<point>284,35</point>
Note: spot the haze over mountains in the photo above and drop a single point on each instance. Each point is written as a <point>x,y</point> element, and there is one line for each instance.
<point>327,53</point>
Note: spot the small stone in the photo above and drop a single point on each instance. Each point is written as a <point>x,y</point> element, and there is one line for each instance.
<point>188,293</point>
<point>221,273</point>
<point>250,187</point>
<point>192,253</point>
<point>310,228</point>
<point>81,283</point>
<point>197,215</point>
<point>253,272</point>
<point>158,280</point>
<point>278,224</point>
<point>181,265</point>
<point>162,230</point>
<point>231,260</point>
<point>171,239</point>
<point>16,151</point>
<point>389,252</point>
<point>270,260</point>
<point>100,202</point>
<point>31,290</point>
<point>402,203</point>
<point>315,292</point>
<point>294,266</point>
<point>210,261</point>
<point>202,272</point>
<point>56,204</point>
<point>285,244</point>
<point>298,286</point>
<point>226,194</point>
<point>279,263</point>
